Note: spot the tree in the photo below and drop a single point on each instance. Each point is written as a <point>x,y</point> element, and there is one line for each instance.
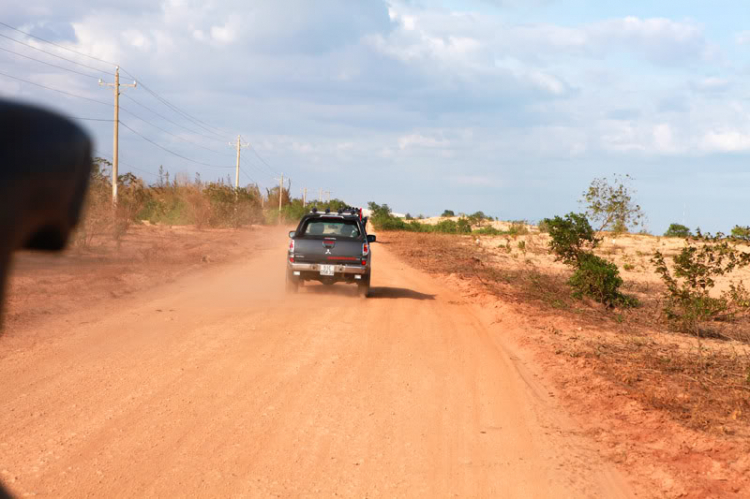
<point>273,196</point>
<point>689,280</point>
<point>448,213</point>
<point>677,230</point>
<point>611,206</point>
<point>464,226</point>
<point>741,233</point>
<point>99,170</point>
<point>572,240</point>
<point>571,237</point>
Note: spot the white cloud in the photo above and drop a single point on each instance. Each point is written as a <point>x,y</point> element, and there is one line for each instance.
<point>538,78</point>
<point>137,39</point>
<point>223,34</point>
<point>711,84</point>
<point>726,141</point>
<point>420,141</point>
<point>407,88</point>
<point>664,140</point>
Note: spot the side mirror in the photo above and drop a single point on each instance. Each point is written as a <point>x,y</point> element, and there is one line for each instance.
<point>371,238</point>
<point>291,234</point>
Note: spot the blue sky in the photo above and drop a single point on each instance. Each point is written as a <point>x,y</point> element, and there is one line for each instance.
<point>507,106</point>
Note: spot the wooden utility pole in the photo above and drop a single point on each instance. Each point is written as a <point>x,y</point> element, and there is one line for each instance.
<point>240,145</point>
<point>281,190</point>
<point>115,140</point>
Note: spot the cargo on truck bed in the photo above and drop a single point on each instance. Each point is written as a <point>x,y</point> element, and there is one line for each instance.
<point>330,247</point>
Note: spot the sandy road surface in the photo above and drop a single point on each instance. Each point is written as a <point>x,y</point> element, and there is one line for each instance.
<point>217,385</point>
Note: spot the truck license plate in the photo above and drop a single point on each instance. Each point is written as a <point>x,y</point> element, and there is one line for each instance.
<point>326,269</point>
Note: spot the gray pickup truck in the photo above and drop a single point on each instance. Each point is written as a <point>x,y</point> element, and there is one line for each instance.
<point>329,248</point>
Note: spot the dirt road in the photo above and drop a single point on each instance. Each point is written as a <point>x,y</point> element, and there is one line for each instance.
<point>219,385</point>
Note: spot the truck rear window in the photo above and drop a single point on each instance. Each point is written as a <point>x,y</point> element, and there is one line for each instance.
<point>331,228</point>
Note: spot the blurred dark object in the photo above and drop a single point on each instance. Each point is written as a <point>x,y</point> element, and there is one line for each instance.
<point>45,163</point>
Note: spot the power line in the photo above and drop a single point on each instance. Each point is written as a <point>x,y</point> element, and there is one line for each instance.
<point>49,64</point>
<point>167,131</point>
<point>108,158</point>
<point>250,164</point>
<point>174,108</point>
<point>57,45</point>
<point>167,119</point>
<point>56,90</point>
<point>263,161</point>
<point>55,55</point>
<point>172,152</point>
<point>171,106</point>
<point>123,124</point>
<point>252,181</point>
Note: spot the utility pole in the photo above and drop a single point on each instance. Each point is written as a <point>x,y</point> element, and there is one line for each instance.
<point>240,145</point>
<point>320,195</point>
<point>115,141</point>
<point>281,190</point>
<point>328,195</point>
<point>304,197</point>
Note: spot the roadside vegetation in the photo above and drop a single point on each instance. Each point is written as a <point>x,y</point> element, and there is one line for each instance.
<point>176,200</point>
<point>669,317</point>
<point>478,223</point>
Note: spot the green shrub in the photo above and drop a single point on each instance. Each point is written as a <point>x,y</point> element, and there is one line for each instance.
<point>742,233</point>
<point>677,230</point>
<point>688,303</point>
<point>448,213</point>
<point>489,231</point>
<point>572,242</point>
<point>390,223</point>
<point>600,280</point>
<point>572,237</point>
<point>464,226</point>
<point>447,227</point>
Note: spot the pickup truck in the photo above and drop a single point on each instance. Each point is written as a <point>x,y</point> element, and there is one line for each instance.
<point>330,248</point>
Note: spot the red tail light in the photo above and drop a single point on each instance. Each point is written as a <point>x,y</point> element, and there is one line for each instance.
<point>365,249</point>
<point>364,262</point>
<point>291,246</point>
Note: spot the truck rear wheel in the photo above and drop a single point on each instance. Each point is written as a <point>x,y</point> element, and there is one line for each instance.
<point>363,287</point>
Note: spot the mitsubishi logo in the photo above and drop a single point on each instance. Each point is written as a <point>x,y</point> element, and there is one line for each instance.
<point>328,251</point>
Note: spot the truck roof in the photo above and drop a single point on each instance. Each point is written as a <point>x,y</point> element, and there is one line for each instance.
<point>348,212</point>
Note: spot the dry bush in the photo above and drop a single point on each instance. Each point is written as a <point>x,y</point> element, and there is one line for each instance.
<point>97,217</point>
<point>200,207</point>
<point>703,388</point>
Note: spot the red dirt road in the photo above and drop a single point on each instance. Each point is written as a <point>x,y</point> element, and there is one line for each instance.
<point>219,385</point>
